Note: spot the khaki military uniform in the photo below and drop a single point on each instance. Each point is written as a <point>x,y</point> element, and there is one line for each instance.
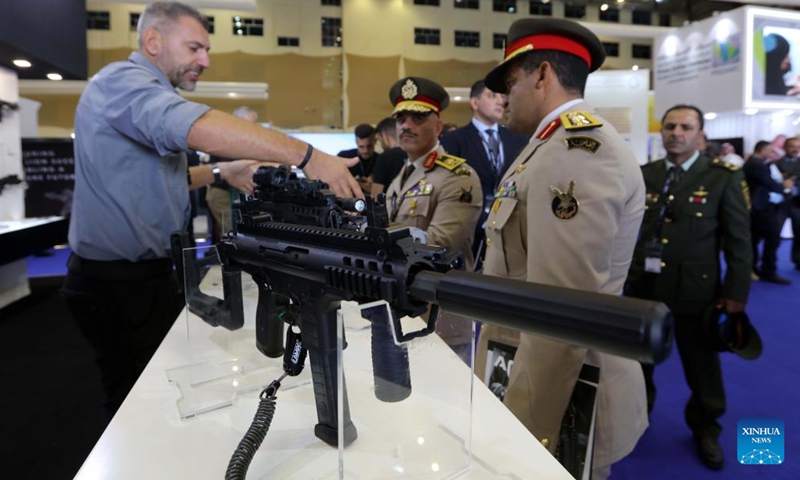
<point>444,201</point>
<point>537,232</point>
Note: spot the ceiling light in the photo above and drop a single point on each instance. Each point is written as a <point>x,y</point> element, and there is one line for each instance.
<point>751,111</point>
<point>54,76</point>
<point>635,68</point>
<point>604,7</point>
<point>22,63</point>
<point>710,116</point>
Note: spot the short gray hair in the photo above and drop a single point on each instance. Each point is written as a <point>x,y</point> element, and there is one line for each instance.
<point>243,112</point>
<point>157,14</point>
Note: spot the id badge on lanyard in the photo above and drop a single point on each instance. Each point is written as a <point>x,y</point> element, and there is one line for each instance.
<point>653,253</point>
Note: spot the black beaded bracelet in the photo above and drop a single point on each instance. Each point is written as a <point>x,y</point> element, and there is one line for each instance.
<point>307,158</point>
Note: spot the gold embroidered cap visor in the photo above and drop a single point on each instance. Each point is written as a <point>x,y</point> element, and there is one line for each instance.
<point>418,95</point>
<point>529,34</point>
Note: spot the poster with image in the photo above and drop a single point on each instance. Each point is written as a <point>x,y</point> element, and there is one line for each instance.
<point>776,60</point>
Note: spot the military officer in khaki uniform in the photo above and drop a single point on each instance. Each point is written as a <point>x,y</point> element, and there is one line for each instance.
<point>435,192</point>
<point>696,207</point>
<point>438,193</point>
<point>566,213</point>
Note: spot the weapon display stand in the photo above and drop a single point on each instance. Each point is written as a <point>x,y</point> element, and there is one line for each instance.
<point>226,364</point>
<point>424,433</point>
<point>427,434</point>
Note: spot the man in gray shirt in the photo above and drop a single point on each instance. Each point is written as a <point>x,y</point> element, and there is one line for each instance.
<point>132,132</point>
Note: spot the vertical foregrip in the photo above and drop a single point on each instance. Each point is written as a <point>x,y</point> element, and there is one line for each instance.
<point>319,337</point>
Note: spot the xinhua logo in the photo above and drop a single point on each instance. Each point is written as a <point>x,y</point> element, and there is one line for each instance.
<point>760,441</point>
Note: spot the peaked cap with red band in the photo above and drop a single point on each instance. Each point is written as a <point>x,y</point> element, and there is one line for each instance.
<point>417,94</point>
<point>530,34</point>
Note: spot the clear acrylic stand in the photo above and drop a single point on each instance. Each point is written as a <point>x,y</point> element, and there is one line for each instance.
<point>225,363</point>
<point>413,419</point>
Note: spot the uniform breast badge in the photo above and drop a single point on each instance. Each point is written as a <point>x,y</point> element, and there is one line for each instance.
<point>583,142</point>
<point>466,195</point>
<point>507,189</point>
<point>565,205</point>
<point>699,196</point>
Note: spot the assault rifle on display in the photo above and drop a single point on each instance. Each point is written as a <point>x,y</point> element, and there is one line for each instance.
<point>307,254</point>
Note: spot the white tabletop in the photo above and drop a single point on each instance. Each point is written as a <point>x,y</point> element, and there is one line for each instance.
<point>148,439</point>
<point>9,226</point>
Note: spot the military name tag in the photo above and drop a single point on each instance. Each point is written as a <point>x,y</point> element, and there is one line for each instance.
<point>583,142</point>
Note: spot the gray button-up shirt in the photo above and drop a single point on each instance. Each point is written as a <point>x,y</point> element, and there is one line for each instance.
<point>131,189</point>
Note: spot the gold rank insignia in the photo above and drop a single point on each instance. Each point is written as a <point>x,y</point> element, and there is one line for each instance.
<point>565,205</point>
<point>463,171</point>
<point>450,162</point>
<point>583,142</point>
<point>409,90</point>
<point>519,169</point>
<point>746,194</point>
<point>723,164</point>
<point>579,120</point>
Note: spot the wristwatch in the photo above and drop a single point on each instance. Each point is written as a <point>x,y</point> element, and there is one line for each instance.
<point>215,170</point>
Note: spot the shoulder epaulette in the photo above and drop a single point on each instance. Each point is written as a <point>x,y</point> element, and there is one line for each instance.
<point>450,162</point>
<point>579,120</point>
<point>723,164</point>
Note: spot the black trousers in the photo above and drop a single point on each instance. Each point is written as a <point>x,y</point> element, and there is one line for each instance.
<point>701,368</point>
<point>124,310</point>
<point>764,226</point>
<point>791,209</point>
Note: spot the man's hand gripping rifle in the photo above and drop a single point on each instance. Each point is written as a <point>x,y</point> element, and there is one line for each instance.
<point>305,269</point>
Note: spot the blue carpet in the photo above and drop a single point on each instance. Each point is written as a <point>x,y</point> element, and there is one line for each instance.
<point>766,387</point>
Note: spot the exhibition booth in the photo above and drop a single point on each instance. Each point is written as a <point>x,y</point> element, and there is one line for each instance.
<point>741,67</point>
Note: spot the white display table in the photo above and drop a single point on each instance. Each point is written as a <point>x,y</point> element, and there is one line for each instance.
<point>18,240</point>
<point>148,439</point>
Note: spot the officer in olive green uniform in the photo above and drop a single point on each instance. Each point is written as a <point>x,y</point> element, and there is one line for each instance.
<point>438,193</point>
<point>695,207</point>
<point>566,213</point>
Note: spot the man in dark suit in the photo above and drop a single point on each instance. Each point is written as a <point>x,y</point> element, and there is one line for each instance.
<point>766,195</point>
<point>695,208</point>
<point>789,166</point>
<point>488,147</point>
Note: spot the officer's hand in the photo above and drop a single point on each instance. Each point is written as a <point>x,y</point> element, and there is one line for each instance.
<point>334,171</point>
<point>731,306</point>
<point>239,174</point>
<point>788,183</point>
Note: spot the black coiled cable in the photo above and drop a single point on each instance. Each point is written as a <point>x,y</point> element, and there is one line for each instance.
<point>241,458</point>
